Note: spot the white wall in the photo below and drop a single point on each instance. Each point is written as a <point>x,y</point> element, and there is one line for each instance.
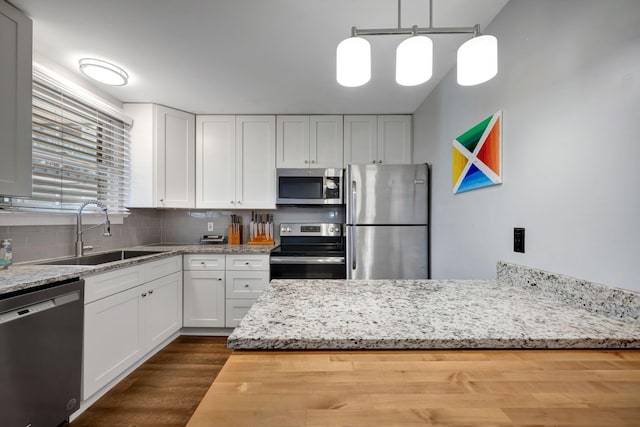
<point>569,89</point>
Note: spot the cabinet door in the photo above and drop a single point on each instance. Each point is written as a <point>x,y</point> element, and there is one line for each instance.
<point>204,298</point>
<point>292,142</point>
<point>360,139</point>
<point>215,162</point>
<point>255,162</point>
<point>161,308</point>
<point>236,309</point>
<point>15,102</point>
<point>176,158</point>
<point>144,154</point>
<point>326,142</point>
<point>113,339</point>
<point>394,140</point>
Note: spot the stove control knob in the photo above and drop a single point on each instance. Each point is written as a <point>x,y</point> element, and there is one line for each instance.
<point>330,229</point>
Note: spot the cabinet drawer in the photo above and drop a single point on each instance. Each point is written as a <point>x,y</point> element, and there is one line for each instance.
<point>248,262</point>
<point>104,284</point>
<point>157,269</point>
<point>236,309</point>
<point>246,284</point>
<point>204,262</point>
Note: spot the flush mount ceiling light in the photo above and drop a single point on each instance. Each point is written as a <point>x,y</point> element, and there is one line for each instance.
<point>103,72</point>
<point>477,58</point>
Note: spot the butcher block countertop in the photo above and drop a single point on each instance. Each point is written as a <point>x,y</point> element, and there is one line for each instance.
<point>434,314</point>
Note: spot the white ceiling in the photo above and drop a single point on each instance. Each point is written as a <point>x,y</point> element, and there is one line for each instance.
<point>247,56</point>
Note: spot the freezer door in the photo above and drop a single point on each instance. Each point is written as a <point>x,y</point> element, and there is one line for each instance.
<point>387,252</point>
<point>387,194</point>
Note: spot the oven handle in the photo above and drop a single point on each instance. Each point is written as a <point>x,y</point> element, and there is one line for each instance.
<point>307,260</point>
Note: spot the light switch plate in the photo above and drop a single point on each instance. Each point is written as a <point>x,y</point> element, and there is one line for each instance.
<point>209,226</point>
<point>518,240</point>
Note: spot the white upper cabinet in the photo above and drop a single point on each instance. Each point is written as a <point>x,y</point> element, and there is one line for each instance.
<point>394,139</point>
<point>360,139</point>
<point>215,164</point>
<point>162,157</point>
<point>15,102</point>
<point>309,141</point>
<point>377,139</point>
<point>235,162</point>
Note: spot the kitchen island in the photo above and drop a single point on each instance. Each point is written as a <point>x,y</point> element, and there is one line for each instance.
<point>530,348</point>
<point>431,314</point>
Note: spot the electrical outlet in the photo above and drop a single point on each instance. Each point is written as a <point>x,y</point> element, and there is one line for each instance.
<point>518,240</point>
<point>209,226</point>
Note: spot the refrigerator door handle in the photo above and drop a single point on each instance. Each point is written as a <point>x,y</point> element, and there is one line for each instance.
<point>353,248</point>
<point>353,202</point>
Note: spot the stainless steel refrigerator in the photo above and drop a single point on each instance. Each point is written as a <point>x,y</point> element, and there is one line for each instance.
<point>387,228</point>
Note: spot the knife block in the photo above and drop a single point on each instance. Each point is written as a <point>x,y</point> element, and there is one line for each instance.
<point>261,239</point>
<point>235,238</point>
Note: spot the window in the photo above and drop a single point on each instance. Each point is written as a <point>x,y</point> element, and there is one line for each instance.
<point>80,152</point>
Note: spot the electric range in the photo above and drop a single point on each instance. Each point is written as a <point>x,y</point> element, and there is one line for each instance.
<point>309,251</point>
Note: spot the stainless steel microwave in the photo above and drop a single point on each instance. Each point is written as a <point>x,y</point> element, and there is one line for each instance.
<point>309,186</point>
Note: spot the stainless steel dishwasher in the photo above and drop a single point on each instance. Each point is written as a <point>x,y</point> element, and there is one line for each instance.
<point>41,355</point>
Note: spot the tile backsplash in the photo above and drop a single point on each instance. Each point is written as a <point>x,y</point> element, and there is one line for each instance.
<point>145,226</point>
<point>34,242</point>
<point>188,226</point>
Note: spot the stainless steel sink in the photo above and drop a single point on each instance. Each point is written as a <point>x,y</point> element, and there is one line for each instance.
<point>102,258</point>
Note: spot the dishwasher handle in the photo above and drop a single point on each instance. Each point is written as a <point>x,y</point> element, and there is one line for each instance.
<point>38,307</point>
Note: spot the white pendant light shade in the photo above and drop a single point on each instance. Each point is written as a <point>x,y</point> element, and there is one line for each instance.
<point>353,62</point>
<point>103,72</point>
<point>414,61</point>
<point>477,60</point>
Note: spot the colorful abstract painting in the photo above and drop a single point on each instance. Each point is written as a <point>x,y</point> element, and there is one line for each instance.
<point>477,156</point>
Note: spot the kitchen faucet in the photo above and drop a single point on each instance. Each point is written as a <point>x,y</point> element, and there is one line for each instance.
<point>107,225</point>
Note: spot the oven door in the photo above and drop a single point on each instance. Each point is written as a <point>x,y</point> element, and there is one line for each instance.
<point>308,267</point>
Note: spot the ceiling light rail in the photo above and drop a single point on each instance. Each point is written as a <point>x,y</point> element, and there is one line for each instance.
<point>355,32</point>
<point>477,58</point>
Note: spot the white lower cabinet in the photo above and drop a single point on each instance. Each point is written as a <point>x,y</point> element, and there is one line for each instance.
<point>204,299</point>
<point>243,288</point>
<point>236,309</point>
<point>113,339</point>
<point>161,309</point>
<point>122,327</point>
<point>219,293</point>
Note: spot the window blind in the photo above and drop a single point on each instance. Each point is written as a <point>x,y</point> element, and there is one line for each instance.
<point>79,153</point>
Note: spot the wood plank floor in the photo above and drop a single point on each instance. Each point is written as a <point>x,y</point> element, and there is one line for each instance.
<point>423,388</point>
<point>165,390</point>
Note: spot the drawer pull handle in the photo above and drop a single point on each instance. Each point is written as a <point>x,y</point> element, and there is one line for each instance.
<point>151,291</point>
<point>144,294</point>
<point>246,263</point>
<point>246,286</point>
<point>220,279</point>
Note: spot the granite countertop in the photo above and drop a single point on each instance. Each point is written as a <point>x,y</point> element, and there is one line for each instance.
<point>425,314</point>
<point>23,276</point>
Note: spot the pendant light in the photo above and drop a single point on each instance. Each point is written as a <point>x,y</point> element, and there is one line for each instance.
<point>477,60</point>
<point>353,62</point>
<point>414,60</point>
<point>103,72</point>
